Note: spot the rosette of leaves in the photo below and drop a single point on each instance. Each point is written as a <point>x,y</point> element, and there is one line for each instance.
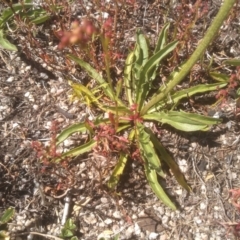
<point>132,105</point>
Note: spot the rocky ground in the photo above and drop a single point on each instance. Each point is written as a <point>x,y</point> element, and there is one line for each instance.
<point>33,94</point>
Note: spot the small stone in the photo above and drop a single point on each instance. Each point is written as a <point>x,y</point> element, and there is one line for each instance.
<point>153,236</point>
<point>203,206</point>
<point>137,229</point>
<point>117,214</point>
<point>165,219</point>
<point>129,232</point>
<point>10,79</point>
<point>104,200</point>
<point>35,107</point>
<point>108,221</point>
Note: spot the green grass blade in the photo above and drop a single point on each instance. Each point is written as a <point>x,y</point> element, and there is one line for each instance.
<point>187,122</point>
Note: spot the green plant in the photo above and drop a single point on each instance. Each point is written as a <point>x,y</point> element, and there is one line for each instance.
<point>5,218</point>
<point>22,15</point>
<point>129,114</point>
<point>68,230</point>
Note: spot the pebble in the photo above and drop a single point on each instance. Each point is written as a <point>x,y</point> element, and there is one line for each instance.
<point>153,236</point>
<point>117,214</point>
<point>10,79</point>
<point>129,232</point>
<point>108,221</point>
<point>165,219</point>
<point>90,219</point>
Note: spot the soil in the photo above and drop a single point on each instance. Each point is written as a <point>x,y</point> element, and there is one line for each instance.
<point>35,95</point>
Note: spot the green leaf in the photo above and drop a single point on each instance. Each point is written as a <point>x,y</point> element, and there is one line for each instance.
<point>118,171</point>
<point>120,166</point>
<point>78,127</point>
<point>169,161</point>
<point>74,238</point>
<point>128,77</point>
<point>140,55</point>
<point>70,224</point>
<point>151,165</point>
<point>7,215</point>
<point>41,19</point>
<point>162,38</point>
<point>220,77</point>
<point>145,84</point>
<point>148,151</point>
<point>66,233</point>
<point>95,75</point>
<point>142,42</point>
<point>186,93</point>
<point>159,46</point>
<point>80,90</point>
<point>156,187</point>
<point>8,13</point>
<point>5,44</point>
<point>87,147</point>
<point>187,122</point>
<point>232,62</point>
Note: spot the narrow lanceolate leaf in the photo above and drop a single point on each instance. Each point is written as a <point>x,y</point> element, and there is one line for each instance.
<point>187,122</point>
<point>148,151</point>
<point>9,13</point>
<point>220,77</point>
<point>142,42</point>
<point>164,156</point>
<point>5,44</point>
<point>232,62</point>
<point>128,77</point>
<point>159,46</point>
<point>7,215</point>
<point>186,93</point>
<point>87,147</point>
<point>77,128</point>
<point>95,75</point>
<point>162,38</point>
<point>41,19</point>
<point>118,171</point>
<point>140,54</point>
<point>156,187</point>
<point>144,83</point>
<point>120,166</point>
<point>81,90</point>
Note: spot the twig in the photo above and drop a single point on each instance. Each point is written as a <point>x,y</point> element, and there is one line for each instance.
<point>46,235</point>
